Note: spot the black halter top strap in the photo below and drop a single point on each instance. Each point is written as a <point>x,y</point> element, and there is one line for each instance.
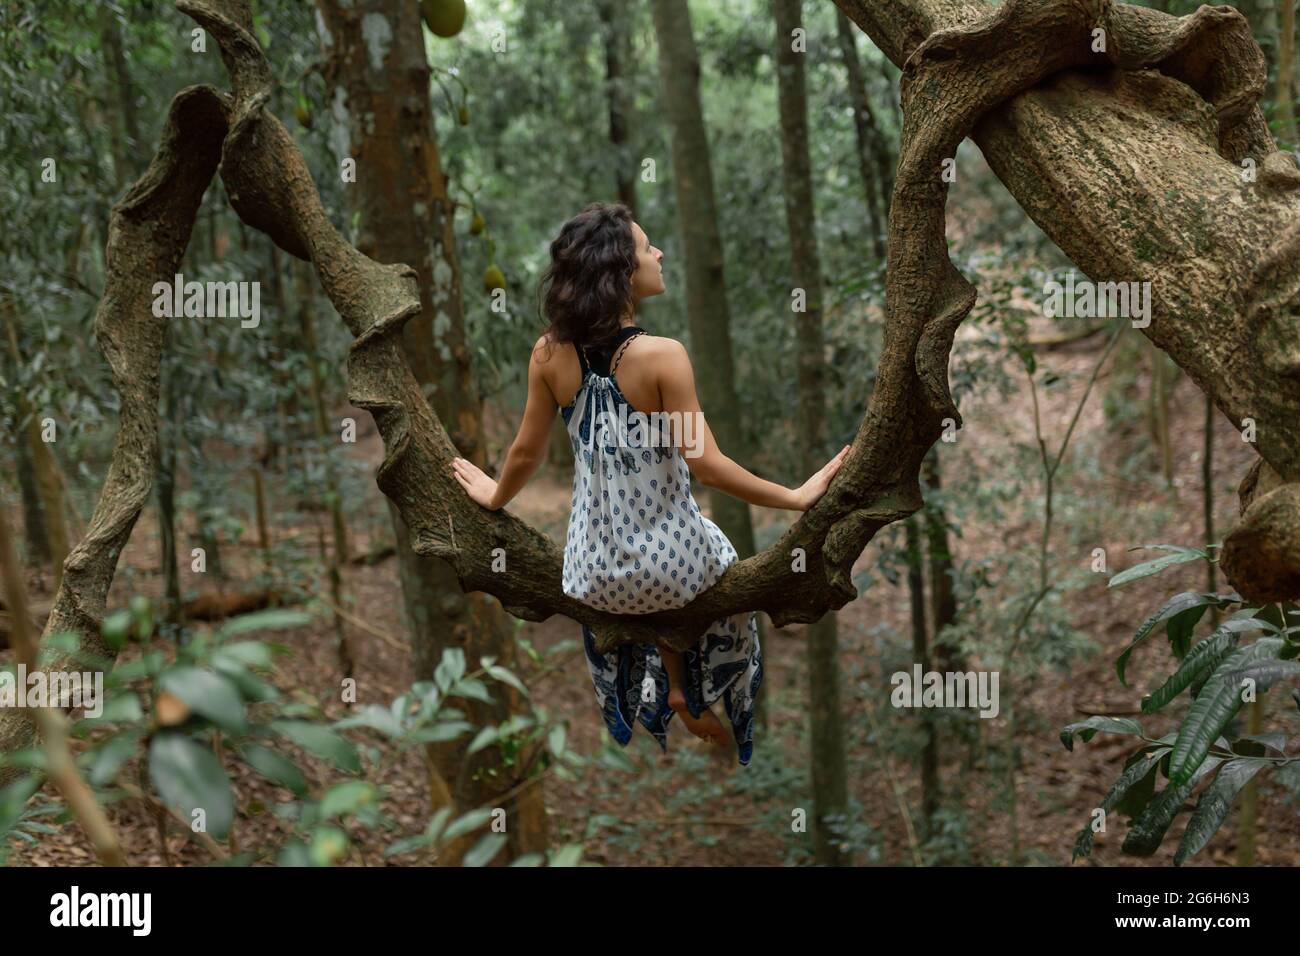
<point>604,361</point>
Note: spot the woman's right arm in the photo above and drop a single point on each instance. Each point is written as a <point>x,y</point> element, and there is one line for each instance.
<point>709,466</point>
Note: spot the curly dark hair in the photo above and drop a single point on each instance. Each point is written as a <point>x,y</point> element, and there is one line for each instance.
<point>588,287</point>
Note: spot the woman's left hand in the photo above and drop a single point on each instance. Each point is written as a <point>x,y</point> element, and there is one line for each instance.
<point>477,484</point>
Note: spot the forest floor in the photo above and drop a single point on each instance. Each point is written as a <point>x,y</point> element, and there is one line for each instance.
<point>692,806</point>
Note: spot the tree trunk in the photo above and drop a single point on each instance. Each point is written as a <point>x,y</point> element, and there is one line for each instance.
<point>124,132</point>
<point>406,216</point>
<point>829,774</point>
<point>324,437</point>
<point>170,436</point>
<point>875,163</point>
<point>618,54</point>
<point>34,533</point>
<point>706,293</point>
<point>921,655</point>
<point>943,600</point>
<point>332,558</point>
<point>1160,413</point>
<point>45,468</point>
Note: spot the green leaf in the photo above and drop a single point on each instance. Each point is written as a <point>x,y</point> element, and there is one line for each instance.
<point>485,849</point>
<point>272,619</point>
<point>250,687</point>
<point>1155,565</point>
<point>1136,785</point>
<point>1175,605</point>
<point>439,820</point>
<point>275,767</point>
<point>109,758</point>
<point>328,844</point>
<point>1199,662</point>
<point>408,844</point>
<point>1212,808</point>
<point>567,855</point>
<point>500,673</point>
<point>208,694</point>
<point>483,738</point>
<point>13,798</point>
<point>116,628</point>
<point>375,717</point>
<point>450,669</point>
<point>1148,831</point>
<point>466,824</point>
<point>1217,704</point>
<point>321,741</point>
<point>615,759</point>
<point>471,688</point>
<point>123,707</point>
<point>555,739</point>
<point>1274,741</point>
<point>1265,674</point>
<point>1087,729</point>
<point>442,731</point>
<point>1180,628</point>
<point>347,797</point>
<point>188,776</point>
<point>255,654</point>
<point>1130,794</point>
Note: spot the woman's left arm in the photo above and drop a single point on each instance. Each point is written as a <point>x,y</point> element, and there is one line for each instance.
<point>526,452</point>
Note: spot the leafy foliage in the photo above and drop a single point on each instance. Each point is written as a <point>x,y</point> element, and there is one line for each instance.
<point>1220,675</point>
<point>190,714</point>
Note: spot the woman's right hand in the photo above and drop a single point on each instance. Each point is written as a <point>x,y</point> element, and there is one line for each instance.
<point>808,494</point>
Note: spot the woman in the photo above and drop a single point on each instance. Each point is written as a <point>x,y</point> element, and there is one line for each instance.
<point>637,542</point>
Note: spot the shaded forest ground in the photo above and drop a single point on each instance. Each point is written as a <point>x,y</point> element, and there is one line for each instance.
<point>695,807</point>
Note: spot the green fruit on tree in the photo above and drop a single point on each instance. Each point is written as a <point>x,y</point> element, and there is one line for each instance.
<point>477,225</point>
<point>444,17</point>
<point>464,116</point>
<point>494,278</point>
<point>304,115</point>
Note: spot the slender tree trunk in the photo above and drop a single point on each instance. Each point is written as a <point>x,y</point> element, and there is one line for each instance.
<point>259,510</point>
<point>706,294</point>
<point>49,482</point>
<point>169,437</point>
<point>124,132</point>
<point>407,215</point>
<point>874,162</point>
<point>921,655</point>
<point>34,533</point>
<point>829,774</point>
<point>335,559</point>
<point>307,328</point>
<point>37,540</point>
<point>943,600</point>
<point>618,54</point>
<point>1285,102</point>
<point>1160,413</point>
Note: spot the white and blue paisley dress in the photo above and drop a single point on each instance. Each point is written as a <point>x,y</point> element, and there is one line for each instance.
<point>636,544</point>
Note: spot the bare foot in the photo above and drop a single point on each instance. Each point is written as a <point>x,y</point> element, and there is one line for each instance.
<point>708,728</point>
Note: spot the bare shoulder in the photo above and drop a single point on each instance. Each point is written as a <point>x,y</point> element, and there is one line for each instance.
<point>660,347</point>
<point>545,349</point>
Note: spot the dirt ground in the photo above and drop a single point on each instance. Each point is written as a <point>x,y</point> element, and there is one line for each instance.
<point>684,808</point>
